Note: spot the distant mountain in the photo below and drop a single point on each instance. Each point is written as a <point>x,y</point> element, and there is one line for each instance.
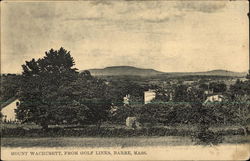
<point>212,73</point>
<point>226,73</point>
<point>124,70</point>
<point>129,70</point>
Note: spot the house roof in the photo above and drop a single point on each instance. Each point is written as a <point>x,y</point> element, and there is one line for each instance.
<point>6,103</point>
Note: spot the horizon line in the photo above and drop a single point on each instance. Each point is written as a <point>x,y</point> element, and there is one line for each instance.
<point>216,69</point>
<point>79,70</point>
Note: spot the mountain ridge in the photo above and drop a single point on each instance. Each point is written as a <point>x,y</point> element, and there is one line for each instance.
<point>124,70</point>
<point>136,71</point>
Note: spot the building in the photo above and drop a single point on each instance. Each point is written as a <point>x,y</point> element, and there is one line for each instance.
<point>8,110</point>
<point>149,96</point>
<point>243,79</point>
<point>188,82</point>
<point>214,98</point>
<point>126,99</point>
<point>208,92</point>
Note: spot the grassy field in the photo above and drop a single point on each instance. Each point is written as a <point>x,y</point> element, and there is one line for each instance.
<point>79,139</point>
<point>178,126</point>
<point>111,142</point>
<point>95,142</point>
<point>12,126</point>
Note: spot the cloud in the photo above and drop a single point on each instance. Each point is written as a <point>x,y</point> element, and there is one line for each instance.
<point>129,12</point>
<point>157,20</point>
<point>39,10</point>
<point>101,2</point>
<point>164,19</point>
<point>146,11</point>
<point>84,19</point>
<point>205,7</point>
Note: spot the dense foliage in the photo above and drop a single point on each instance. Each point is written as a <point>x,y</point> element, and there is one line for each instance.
<point>121,88</point>
<point>9,86</point>
<point>52,92</point>
<point>188,108</point>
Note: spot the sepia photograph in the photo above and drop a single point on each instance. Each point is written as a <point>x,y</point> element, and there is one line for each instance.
<point>125,80</point>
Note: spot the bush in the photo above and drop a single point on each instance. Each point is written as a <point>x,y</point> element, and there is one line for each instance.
<point>207,137</point>
<point>113,132</point>
<point>152,114</point>
<point>93,132</point>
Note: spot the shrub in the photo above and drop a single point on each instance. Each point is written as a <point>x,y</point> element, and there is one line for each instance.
<point>207,137</point>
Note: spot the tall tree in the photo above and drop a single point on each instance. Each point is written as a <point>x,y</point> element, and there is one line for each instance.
<point>89,92</point>
<point>41,80</point>
<point>119,89</point>
<point>218,87</point>
<point>9,86</point>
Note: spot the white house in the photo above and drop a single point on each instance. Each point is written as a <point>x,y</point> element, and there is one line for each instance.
<point>8,110</point>
<point>126,99</point>
<point>214,98</point>
<point>149,96</point>
<point>207,92</point>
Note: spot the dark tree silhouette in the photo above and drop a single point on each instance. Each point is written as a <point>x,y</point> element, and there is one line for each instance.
<point>41,80</point>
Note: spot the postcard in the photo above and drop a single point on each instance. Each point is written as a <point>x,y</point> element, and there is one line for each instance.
<point>125,80</point>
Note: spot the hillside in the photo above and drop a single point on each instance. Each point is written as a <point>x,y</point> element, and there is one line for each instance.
<point>134,71</point>
<point>211,73</point>
<point>124,70</point>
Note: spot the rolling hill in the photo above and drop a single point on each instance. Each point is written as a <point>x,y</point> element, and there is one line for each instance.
<point>124,70</point>
<point>211,73</point>
<point>134,71</point>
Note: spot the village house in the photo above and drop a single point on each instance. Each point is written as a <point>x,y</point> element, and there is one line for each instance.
<point>126,99</point>
<point>243,79</point>
<point>214,98</point>
<point>8,110</point>
<point>188,82</point>
<point>208,92</point>
<point>149,96</point>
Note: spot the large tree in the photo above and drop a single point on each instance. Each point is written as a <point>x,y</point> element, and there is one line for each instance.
<point>9,86</point>
<point>239,102</point>
<point>218,87</point>
<point>119,89</point>
<point>41,80</point>
<point>90,92</point>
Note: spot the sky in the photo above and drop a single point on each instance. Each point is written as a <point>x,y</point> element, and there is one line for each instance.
<point>169,36</point>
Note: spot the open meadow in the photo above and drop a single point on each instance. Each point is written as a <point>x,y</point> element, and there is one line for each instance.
<point>89,142</point>
<point>107,135</point>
